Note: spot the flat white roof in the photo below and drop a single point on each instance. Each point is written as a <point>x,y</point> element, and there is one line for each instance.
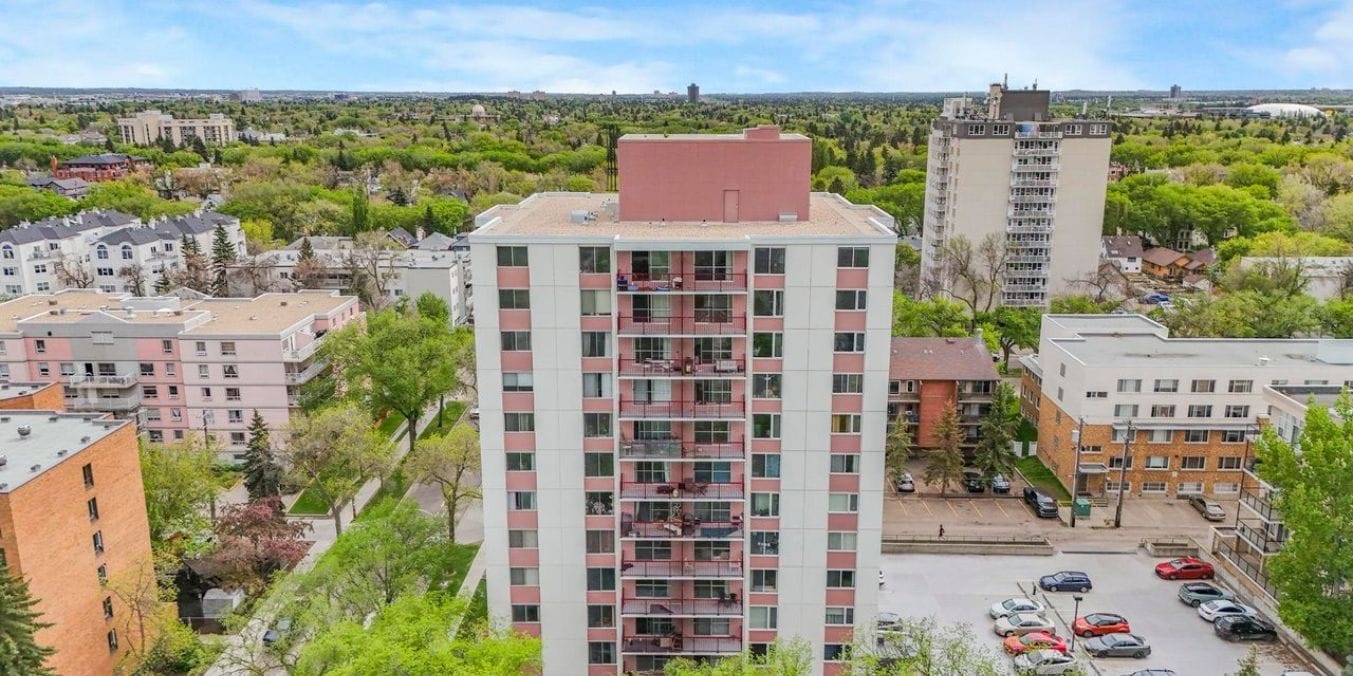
<point>53,438</point>
<point>1147,350</point>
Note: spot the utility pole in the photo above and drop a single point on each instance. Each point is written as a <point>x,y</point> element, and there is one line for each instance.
<point>1122,477</point>
<point>1076,476</point>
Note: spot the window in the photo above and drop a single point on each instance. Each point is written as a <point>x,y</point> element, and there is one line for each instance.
<point>1204,386</point>
<point>519,422</point>
<point>167,346</point>
<point>512,256</point>
<point>104,272</point>
<point>840,579</point>
<point>524,613</point>
<point>769,261</point>
<point>600,541</point>
<point>520,461</point>
<point>1237,411</point>
<point>522,577</point>
<point>768,303</point>
<point>92,506</point>
<point>146,369</point>
<point>203,371</point>
<point>1220,487</point>
<point>595,344</point>
<point>765,426</point>
<point>765,543</point>
<point>851,300</point>
<point>848,342</point>
<point>650,589</point>
<point>653,551</point>
<point>596,424</point>
<point>514,299</point>
<point>764,580</point>
<point>765,466</point>
<point>1153,486</point>
<point>1158,462</point>
<point>1195,437</point>
<point>596,385</point>
<point>766,386</point>
<point>238,439</point>
<point>600,579</point>
<point>107,607</point>
<point>598,464</point>
<point>836,652</point>
<point>768,345</point>
<point>763,617</point>
<point>599,503</point>
<point>1193,462</point>
<point>847,383</point>
<point>102,572</point>
<point>1240,386</point>
<point>40,346</point>
<point>1097,395</point>
<point>1129,385</point>
<point>88,472</point>
<point>1229,462</point>
<point>1167,385</point>
<point>521,500</point>
<point>845,423</point>
<point>1160,436</point>
<point>845,463</point>
<point>841,542</point>
<point>596,303</point>
<point>235,415</point>
<point>594,259</point>
<point>44,369</point>
<point>516,341</point>
<point>1112,486</point>
<point>601,652</point>
<point>1125,411</point>
<point>518,382</point>
<point>98,542</point>
<point>1233,437</point>
<point>852,257</point>
<point>840,615</point>
<point>200,347</point>
<point>600,616</point>
<point>112,640</point>
<point>1200,411</point>
<point>765,504</point>
<point>843,502</point>
<point>1162,411</point>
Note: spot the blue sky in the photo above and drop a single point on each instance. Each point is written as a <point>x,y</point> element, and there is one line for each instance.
<point>642,45</point>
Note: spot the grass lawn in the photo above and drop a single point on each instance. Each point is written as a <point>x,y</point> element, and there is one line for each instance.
<point>453,411</point>
<point>308,504</point>
<point>1036,473</point>
<point>389,424</point>
<point>477,614</point>
<point>460,559</point>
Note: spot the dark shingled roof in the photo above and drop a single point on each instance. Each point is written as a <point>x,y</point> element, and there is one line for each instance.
<point>403,237</point>
<point>435,242</point>
<point>1123,246</point>
<point>941,359</point>
<point>1160,255</point>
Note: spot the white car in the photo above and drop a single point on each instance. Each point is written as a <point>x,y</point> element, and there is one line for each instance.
<point>1015,605</point>
<point>1045,662</point>
<point>1212,611</point>
<point>1023,623</point>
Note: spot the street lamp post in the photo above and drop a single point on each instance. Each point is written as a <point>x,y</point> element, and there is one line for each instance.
<point>1075,614</point>
<point>1122,476</point>
<point>1076,474</point>
<point>209,417</point>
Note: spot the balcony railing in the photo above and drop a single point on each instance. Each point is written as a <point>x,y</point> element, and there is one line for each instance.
<point>1036,152</point>
<point>1038,134</point>
<point>704,569</point>
<point>1033,199</point>
<point>1259,538</point>
<point>681,490</point>
<point>671,607</point>
<point>102,381</point>
<point>104,404</point>
<point>1033,183</point>
<point>1227,549</point>
<point>302,352</point>
<point>713,323</point>
<point>680,528</point>
<point>1260,504</point>
<point>682,645</point>
<point>1034,166</point>
<point>304,375</point>
<point>678,365</point>
<point>1031,213</point>
<point>681,409</point>
<point>702,280</point>
<point>673,449</point>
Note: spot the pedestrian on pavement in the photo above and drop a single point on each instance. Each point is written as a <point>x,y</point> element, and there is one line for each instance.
<point>941,530</point>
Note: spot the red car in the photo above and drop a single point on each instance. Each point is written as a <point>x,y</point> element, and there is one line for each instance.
<point>1038,640</point>
<point>1099,624</point>
<point>1187,568</point>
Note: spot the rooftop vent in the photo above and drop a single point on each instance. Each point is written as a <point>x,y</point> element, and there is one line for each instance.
<point>51,301</point>
<point>25,430</point>
<point>1263,361</point>
<point>284,303</point>
<point>35,468</point>
<point>789,217</point>
<point>3,461</point>
<point>84,440</point>
<point>62,453</point>
<point>53,418</point>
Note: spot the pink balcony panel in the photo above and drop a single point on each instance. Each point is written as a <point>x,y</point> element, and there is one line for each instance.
<point>523,558</point>
<point>522,519</point>
<point>524,594</point>
<point>598,444</point>
<point>519,401</point>
<point>847,403</point>
<point>521,481</point>
<point>599,521</point>
<point>843,597</point>
<point>761,636</point>
<point>763,561</point>
<point>767,405</point>
<point>602,323</point>
<point>597,364</point>
<point>848,362</point>
<point>765,485</point>
<point>765,445</point>
<point>840,560</point>
<point>852,278</point>
<point>833,669</point>
<point>768,323</point>
<point>601,633</point>
<point>516,361</point>
<point>519,441</point>
<point>528,628</point>
<point>600,560</point>
<point>768,365</point>
<point>846,443</point>
<point>514,320</point>
<point>602,669</point>
<point>846,522</point>
<point>762,598</point>
<point>597,597</point>
<point>768,281</point>
<point>594,280</point>
<point>598,405</point>
<point>598,483</point>
<point>514,278</point>
<point>850,320</point>
<point>843,483</point>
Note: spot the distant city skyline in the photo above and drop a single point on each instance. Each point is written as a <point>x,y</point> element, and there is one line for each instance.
<point>642,46</point>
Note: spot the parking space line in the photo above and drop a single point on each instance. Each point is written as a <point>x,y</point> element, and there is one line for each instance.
<point>927,508</point>
<point>1003,512</point>
<point>975,508</point>
<point>951,507</point>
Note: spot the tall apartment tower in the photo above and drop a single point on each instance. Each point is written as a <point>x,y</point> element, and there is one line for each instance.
<point>1034,185</point>
<point>693,93</point>
<point>682,394</point>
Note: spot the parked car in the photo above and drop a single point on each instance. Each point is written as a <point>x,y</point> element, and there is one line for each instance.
<point>1186,568</point>
<point>1042,503</point>
<point>1197,593</point>
<point>1046,662</point>
<point>1022,623</point>
<point>1000,484</point>
<point>275,634</point>
<point>888,622</point>
<point>1099,624</point>
<point>1240,628</point>
<point>474,412</point>
<point>1038,640</point>
<point>1015,605</point>
<point>973,482</point>
<point>904,483</point>
<point>1153,672</point>
<point>1209,509</point>
<point>1118,645</point>
<point>1066,580</point>
<point>1215,610</point>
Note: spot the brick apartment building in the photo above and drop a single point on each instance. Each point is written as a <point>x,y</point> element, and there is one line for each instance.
<point>100,167</point>
<point>928,375</point>
<point>72,517</point>
<point>1187,408</point>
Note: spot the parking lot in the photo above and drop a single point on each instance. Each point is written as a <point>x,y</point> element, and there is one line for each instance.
<point>960,588</point>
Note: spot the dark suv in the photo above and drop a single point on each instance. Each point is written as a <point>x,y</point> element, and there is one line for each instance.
<point>1042,503</point>
<point>974,482</point>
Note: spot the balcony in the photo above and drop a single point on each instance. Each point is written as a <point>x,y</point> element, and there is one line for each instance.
<point>729,606</point>
<point>672,410</point>
<point>683,568</point>
<point>711,324</point>
<point>682,528</point>
<point>1260,539</point>
<point>1033,199</point>
<point>1024,288</point>
<point>1038,134</point>
<point>1260,504</point>
<point>703,281</point>
<point>1018,167</point>
<point>673,449</point>
<point>677,365</point>
<point>1032,183</point>
<point>309,372</point>
<point>682,645</point>
<point>303,352</point>
<point>1019,228</point>
<point>104,404</point>
<point>1037,152</point>
<point>1029,259</point>
<point>114,382</point>
<point>1031,213</point>
<point>685,489</point>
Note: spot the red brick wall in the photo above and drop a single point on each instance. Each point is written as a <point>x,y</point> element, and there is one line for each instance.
<point>49,398</point>
<point>936,396</point>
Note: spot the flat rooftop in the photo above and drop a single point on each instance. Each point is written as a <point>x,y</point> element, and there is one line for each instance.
<point>268,313</point>
<point>54,438</point>
<point>1105,323</point>
<point>11,390</point>
<point>735,136</point>
<point>551,215</point>
<point>1147,350</point>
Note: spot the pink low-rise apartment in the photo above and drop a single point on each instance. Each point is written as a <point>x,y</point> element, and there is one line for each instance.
<point>178,366</point>
<point>682,392</point>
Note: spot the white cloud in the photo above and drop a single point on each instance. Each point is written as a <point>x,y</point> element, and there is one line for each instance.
<point>1328,50</point>
<point>67,43</point>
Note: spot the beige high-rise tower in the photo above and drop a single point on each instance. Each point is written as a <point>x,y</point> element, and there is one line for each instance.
<point>1004,172</point>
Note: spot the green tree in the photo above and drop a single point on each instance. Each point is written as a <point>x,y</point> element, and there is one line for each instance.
<point>996,433</point>
<point>1078,305</point>
<point>378,560</point>
<point>20,653</point>
<point>361,212</point>
<point>431,306</point>
<point>1336,318</point>
<point>262,474</point>
<point>1016,327</point>
<point>898,446</point>
<point>332,452</point>
<point>939,317</point>
<point>21,203</point>
<point>451,462</point>
<point>944,465</point>
<point>131,197</point>
<point>222,255</point>
<point>782,658</point>
<point>1314,494</point>
<point>180,487</point>
<point>922,646</point>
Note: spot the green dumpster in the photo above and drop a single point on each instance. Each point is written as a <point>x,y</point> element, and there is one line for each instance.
<point>1081,506</point>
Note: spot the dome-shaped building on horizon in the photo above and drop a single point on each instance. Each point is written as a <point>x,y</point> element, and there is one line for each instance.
<point>1286,110</point>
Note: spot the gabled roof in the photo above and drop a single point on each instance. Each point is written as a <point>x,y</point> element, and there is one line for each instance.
<point>403,237</point>
<point>1159,255</point>
<point>941,359</point>
<point>136,236</point>
<point>436,242</point>
<point>1123,246</point>
<point>102,159</point>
